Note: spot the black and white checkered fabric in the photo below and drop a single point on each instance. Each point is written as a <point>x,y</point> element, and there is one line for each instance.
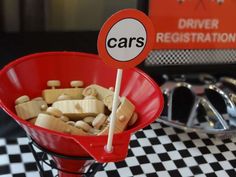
<point>189,56</point>
<point>157,150</point>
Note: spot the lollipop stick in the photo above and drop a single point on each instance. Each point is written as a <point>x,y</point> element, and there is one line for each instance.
<point>114,108</point>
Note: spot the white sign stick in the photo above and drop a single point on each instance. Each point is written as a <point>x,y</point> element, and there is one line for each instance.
<point>113,112</point>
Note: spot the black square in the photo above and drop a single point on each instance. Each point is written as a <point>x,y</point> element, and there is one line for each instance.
<point>158,166</point>
<point>233,163</point>
<point>196,170</point>
<point>164,125</point>
<point>207,142</point>
<point>41,154</point>
<point>184,153</point>
<point>140,134</point>
<point>151,175</point>
<point>160,132</point>
<point>164,156</point>
<point>19,175</point>
<point>15,158</point>
<point>4,169</point>
<point>130,153</point>
<point>219,157</point>
<point>154,141</point>
<point>148,150</point>
<point>193,135</point>
<point>48,174</point>
<point>134,143</point>
<point>222,148</point>
<point>3,150</point>
<point>189,144</point>
<point>174,138</point>
<point>143,159</point>
<point>11,141</point>
<point>204,150</point>
<point>121,164</point>
<point>211,175</point>
<point>234,152</point>
<point>113,173</point>
<point>226,140</point>
<point>169,147</point>
<point>200,159</point>
<point>231,173</point>
<point>178,130</point>
<point>24,148</point>
<point>30,167</point>
<point>175,173</point>
<point>180,163</point>
<point>136,170</point>
<point>147,127</point>
<point>216,166</point>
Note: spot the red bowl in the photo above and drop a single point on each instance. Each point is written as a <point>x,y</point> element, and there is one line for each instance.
<point>29,75</point>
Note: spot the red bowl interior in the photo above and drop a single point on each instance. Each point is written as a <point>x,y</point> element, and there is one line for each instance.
<point>29,75</point>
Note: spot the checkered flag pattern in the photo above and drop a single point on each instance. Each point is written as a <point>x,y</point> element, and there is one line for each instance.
<point>189,56</point>
<point>157,150</point>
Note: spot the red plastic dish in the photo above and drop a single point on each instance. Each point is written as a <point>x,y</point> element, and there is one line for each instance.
<point>29,75</point>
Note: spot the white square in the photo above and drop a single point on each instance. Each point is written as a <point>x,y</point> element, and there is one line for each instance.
<point>150,134</point>
<point>174,155</point>
<point>194,152</point>
<point>185,172</point>
<point>228,155</point>
<point>206,168</point>
<point>159,148</point>
<point>169,165</point>
<point>138,151</point>
<point>22,141</point>
<point>210,158</point>
<point>13,149</point>
<point>142,175</point>
<point>2,142</point>
<point>124,172</point>
<point>233,139</point>
<point>179,145</point>
<point>101,173</point>
<point>225,165</point>
<point>156,125</point>
<point>217,141</point>
<point>184,137</point>
<point>46,167</point>
<point>163,173</point>
<point>144,142</point>
<point>4,159</point>
<point>190,161</point>
<point>27,157</point>
<point>221,173</point>
<point>164,139</point>
<point>213,149</point>
<point>133,137</point>
<point>131,161</point>
<point>200,175</point>
<point>231,146</point>
<point>6,175</point>
<point>198,143</point>
<point>17,168</point>
<point>147,168</point>
<point>32,174</point>
<point>169,131</point>
<point>153,158</point>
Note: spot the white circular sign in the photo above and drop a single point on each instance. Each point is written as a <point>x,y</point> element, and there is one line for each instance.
<point>126,39</point>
